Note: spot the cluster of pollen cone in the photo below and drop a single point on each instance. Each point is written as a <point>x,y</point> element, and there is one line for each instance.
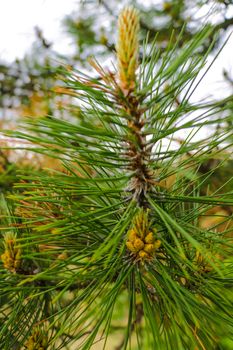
<point>37,341</point>
<point>141,240</point>
<point>11,257</point>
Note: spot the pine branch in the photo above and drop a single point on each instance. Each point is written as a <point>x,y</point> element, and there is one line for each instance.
<point>116,233</point>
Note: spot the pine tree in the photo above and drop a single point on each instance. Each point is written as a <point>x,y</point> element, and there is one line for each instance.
<point>111,252</point>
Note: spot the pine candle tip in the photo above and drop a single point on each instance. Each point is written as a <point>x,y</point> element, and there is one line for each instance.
<point>127,47</point>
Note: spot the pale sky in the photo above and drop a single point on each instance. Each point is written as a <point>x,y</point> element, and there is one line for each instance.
<point>19,17</point>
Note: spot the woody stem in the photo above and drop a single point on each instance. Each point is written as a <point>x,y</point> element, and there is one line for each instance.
<point>137,152</point>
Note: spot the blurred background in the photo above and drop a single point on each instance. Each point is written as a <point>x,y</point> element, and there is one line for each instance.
<point>37,36</point>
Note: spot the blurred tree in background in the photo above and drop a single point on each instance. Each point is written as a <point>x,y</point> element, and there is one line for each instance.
<point>92,27</point>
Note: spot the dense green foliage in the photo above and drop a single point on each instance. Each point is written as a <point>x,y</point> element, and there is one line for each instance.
<point>131,175</point>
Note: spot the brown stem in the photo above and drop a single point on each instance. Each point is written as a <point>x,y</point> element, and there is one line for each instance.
<point>137,152</point>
